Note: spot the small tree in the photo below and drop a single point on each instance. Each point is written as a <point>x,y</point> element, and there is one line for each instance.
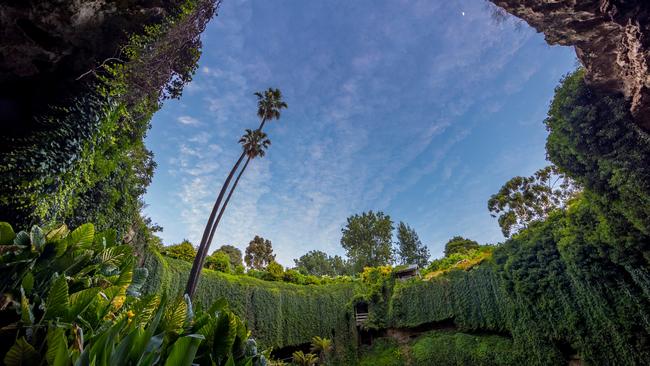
<point>321,347</point>
<point>458,244</point>
<point>367,238</point>
<point>410,248</point>
<point>233,253</point>
<point>275,271</point>
<point>523,200</point>
<point>218,261</point>
<point>183,250</point>
<point>259,253</point>
<point>302,359</point>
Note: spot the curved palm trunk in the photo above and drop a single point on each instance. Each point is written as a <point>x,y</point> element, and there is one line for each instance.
<point>225,203</point>
<point>192,281</point>
<point>208,232</point>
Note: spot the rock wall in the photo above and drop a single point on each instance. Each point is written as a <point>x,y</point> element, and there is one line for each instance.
<point>48,44</point>
<point>611,39</point>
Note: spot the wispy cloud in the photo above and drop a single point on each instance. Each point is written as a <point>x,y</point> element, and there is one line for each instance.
<point>188,120</point>
<point>383,109</point>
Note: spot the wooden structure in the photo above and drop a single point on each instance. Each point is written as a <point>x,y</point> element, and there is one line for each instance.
<point>407,272</point>
<point>361,313</point>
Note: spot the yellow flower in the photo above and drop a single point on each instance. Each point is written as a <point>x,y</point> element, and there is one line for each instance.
<point>130,314</point>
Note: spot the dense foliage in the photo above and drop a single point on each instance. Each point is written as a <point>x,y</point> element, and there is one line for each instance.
<point>409,247</point>
<point>458,244</point>
<point>74,298</point>
<point>259,253</point>
<point>367,239</point>
<point>594,140</point>
<point>279,314</point>
<point>524,200</point>
<point>318,263</point>
<point>443,348</point>
<point>85,160</point>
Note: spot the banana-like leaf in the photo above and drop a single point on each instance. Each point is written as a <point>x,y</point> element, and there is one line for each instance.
<point>7,234</point>
<point>57,299</point>
<point>21,354</point>
<point>112,300</point>
<point>28,282</point>
<point>184,350</point>
<point>132,343</point>
<point>79,301</point>
<point>175,316</point>
<point>139,278</point>
<point>115,256</point>
<point>81,237</point>
<point>145,309</point>
<point>106,238</point>
<point>225,333</point>
<point>57,347</point>
<point>57,234</point>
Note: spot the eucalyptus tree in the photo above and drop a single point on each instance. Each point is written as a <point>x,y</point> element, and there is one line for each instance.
<point>269,105</point>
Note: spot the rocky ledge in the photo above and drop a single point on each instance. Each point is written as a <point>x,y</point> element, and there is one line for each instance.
<point>611,39</point>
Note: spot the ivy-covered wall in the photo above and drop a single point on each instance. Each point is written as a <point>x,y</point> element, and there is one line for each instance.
<point>279,314</point>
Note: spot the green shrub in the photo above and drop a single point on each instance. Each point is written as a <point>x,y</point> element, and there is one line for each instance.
<point>183,250</point>
<point>454,348</point>
<point>275,271</point>
<point>279,314</point>
<point>218,261</point>
<point>384,352</point>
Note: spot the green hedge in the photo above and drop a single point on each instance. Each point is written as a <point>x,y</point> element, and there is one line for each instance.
<point>473,300</point>
<point>575,283</point>
<point>279,314</point>
<point>454,348</point>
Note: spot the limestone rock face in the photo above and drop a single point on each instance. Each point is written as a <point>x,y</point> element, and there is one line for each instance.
<point>611,39</point>
<point>45,45</point>
<point>38,35</point>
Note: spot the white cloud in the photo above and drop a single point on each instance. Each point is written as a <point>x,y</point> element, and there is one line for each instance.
<point>188,120</point>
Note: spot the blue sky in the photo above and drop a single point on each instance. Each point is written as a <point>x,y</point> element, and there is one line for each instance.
<point>421,109</point>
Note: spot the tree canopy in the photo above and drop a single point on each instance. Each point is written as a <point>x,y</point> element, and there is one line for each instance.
<point>458,244</point>
<point>367,238</point>
<point>234,254</point>
<point>409,247</point>
<point>523,200</point>
<point>259,253</point>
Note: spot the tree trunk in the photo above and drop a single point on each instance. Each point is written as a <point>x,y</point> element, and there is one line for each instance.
<point>192,281</point>
<point>225,203</point>
<point>208,232</point>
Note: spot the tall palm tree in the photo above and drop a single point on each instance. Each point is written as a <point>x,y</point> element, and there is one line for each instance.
<point>269,104</point>
<point>254,144</point>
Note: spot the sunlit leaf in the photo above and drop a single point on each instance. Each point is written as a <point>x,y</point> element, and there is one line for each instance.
<point>21,354</point>
<point>183,351</point>
<point>57,299</point>
<point>7,234</point>
<point>57,347</point>
<point>81,237</point>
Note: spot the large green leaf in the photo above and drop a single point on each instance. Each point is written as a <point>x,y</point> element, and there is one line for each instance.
<point>21,354</point>
<point>81,237</point>
<point>224,336</point>
<point>57,347</point>
<point>175,316</point>
<point>57,299</point>
<point>184,350</point>
<point>58,233</point>
<point>79,301</point>
<point>28,282</point>
<point>7,234</point>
